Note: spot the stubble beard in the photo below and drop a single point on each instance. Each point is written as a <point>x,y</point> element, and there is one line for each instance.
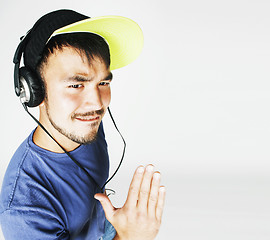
<point>86,139</point>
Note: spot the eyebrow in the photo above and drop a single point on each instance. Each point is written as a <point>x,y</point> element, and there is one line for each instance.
<point>81,78</point>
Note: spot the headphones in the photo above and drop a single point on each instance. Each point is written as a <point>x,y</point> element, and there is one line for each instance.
<point>28,86</point>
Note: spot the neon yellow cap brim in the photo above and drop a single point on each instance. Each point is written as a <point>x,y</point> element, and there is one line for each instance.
<point>124,36</point>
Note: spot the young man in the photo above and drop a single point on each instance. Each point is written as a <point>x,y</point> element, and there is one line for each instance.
<point>54,184</point>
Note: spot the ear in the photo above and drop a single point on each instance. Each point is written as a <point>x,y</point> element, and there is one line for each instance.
<point>42,104</point>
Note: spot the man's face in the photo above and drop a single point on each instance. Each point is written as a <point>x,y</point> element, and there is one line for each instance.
<point>77,94</point>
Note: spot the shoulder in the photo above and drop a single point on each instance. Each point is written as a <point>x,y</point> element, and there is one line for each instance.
<point>26,197</point>
<point>21,171</point>
<point>12,174</point>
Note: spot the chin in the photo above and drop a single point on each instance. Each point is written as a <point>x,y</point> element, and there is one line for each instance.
<point>86,139</point>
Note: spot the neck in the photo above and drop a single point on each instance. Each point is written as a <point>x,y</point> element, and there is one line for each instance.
<point>43,140</point>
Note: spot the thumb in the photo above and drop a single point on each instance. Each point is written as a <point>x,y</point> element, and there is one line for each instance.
<point>109,209</point>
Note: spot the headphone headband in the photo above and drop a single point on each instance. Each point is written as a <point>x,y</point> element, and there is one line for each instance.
<point>17,59</point>
<point>32,44</point>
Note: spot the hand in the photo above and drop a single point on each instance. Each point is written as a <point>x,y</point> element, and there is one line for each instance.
<point>140,217</point>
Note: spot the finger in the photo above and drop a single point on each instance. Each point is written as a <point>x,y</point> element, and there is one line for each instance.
<point>160,203</point>
<point>145,189</point>
<point>154,193</point>
<point>134,188</point>
<point>109,209</point>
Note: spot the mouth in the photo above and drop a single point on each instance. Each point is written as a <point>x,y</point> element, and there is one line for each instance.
<point>88,118</point>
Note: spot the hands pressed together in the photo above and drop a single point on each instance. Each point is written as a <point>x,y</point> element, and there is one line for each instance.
<point>140,217</point>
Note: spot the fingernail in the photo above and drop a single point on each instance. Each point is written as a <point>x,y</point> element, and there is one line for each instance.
<point>162,189</point>
<point>150,168</point>
<point>140,170</point>
<point>156,175</point>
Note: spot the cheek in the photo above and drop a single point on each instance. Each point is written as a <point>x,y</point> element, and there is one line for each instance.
<point>61,103</point>
<point>70,102</point>
<point>106,97</point>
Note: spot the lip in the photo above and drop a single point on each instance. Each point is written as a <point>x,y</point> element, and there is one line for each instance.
<point>88,119</point>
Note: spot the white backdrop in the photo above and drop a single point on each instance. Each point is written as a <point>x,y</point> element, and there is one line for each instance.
<point>195,104</point>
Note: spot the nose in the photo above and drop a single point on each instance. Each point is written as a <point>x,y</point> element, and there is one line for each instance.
<point>92,99</point>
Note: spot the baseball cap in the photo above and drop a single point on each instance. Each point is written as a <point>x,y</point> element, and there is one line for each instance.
<point>123,35</point>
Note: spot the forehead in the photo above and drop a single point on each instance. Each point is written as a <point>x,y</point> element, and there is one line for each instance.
<point>69,53</point>
<point>69,60</point>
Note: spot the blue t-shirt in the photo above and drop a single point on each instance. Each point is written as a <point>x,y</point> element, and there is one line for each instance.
<point>45,195</point>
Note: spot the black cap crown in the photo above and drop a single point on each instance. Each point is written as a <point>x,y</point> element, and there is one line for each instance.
<point>41,32</point>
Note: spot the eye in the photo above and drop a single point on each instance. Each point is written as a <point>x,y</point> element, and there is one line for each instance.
<point>75,86</point>
<point>104,83</point>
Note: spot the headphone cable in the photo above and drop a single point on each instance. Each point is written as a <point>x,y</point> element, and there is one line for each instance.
<point>124,149</point>
<point>75,161</point>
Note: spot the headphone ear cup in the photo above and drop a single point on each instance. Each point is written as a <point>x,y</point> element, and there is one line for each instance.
<point>32,93</point>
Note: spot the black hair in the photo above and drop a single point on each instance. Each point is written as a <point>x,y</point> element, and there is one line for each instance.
<point>87,44</point>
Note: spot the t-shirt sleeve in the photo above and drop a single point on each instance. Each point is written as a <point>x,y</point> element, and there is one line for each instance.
<point>28,224</point>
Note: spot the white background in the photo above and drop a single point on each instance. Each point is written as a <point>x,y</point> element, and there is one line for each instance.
<point>195,104</point>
